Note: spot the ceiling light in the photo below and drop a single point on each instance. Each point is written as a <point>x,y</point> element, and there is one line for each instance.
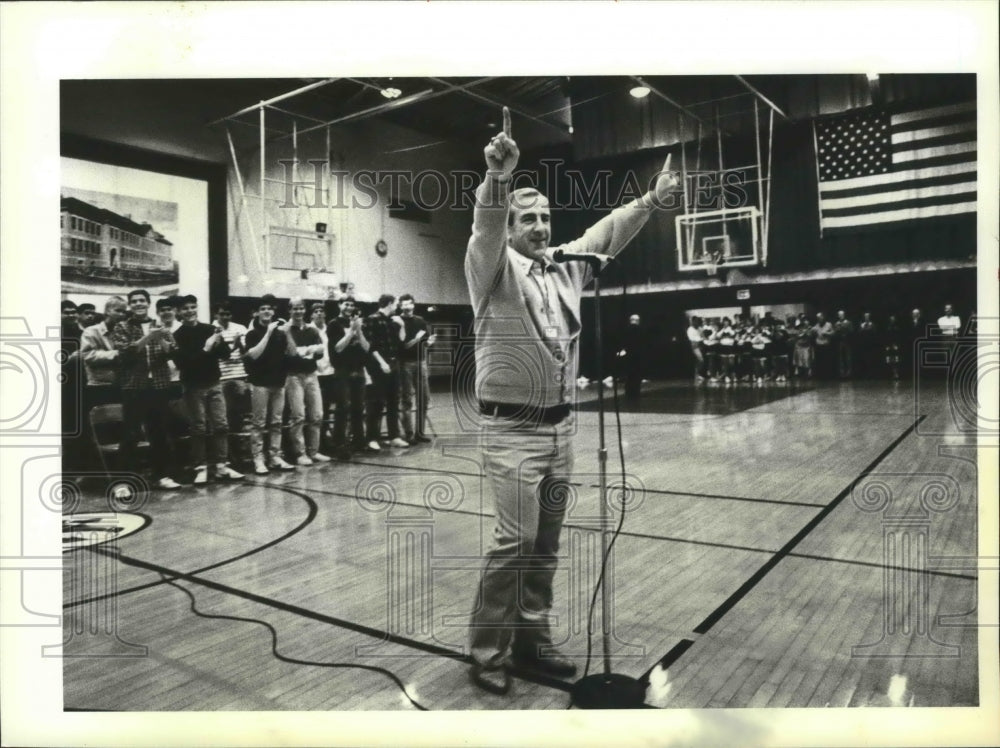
<point>391,93</point>
<point>872,77</point>
<point>640,92</point>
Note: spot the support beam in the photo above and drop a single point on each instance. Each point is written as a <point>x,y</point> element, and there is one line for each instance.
<point>667,99</point>
<point>425,95</point>
<point>494,102</point>
<point>275,100</point>
<point>760,96</point>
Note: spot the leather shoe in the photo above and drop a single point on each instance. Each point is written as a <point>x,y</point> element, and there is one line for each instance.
<point>495,681</point>
<point>549,660</point>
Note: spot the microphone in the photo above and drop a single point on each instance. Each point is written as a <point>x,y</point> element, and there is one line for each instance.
<point>598,261</point>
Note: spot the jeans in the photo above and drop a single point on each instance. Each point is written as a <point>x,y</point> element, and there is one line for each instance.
<point>525,465</point>
<point>328,394</point>
<point>149,409</point>
<point>268,405</point>
<point>206,408</point>
<point>239,410</point>
<point>414,390</point>
<point>349,396</point>
<point>384,393</point>
<point>305,406</point>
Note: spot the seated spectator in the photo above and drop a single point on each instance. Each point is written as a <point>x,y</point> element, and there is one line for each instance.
<point>268,349</point>
<point>200,346</point>
<point>305,401</point>
<point>144,348</point>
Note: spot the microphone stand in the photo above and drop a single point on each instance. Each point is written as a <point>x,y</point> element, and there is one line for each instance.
<point>605,690</point>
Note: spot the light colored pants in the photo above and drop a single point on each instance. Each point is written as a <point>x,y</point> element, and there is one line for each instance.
<point>305,412</point>
<point>414,390</point>
<point>206,407</point>
<point>268,404</point>
<point>525,465</point>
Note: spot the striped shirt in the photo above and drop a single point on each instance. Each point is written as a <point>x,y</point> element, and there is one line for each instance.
<point>232,367</point>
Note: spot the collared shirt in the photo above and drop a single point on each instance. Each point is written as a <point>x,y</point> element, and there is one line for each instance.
<point>146,368</point>
<point>516,360</point>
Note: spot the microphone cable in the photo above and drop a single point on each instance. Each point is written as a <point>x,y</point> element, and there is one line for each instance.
<point>291,660</point>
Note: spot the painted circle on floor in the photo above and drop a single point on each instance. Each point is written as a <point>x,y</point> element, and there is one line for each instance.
<point>94,528</point>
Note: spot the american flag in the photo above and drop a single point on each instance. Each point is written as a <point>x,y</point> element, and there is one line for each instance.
<point>878,168</point>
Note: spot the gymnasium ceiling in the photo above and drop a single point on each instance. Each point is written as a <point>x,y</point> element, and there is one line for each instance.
<point>546,110</point>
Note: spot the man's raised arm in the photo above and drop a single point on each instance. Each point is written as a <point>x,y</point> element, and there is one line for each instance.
<point>486,248</point>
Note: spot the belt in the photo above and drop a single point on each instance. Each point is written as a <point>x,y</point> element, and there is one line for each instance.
<point>532,413</point>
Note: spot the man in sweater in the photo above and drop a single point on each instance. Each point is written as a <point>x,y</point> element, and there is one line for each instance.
<point>527,310</point>
<point>200,347</point>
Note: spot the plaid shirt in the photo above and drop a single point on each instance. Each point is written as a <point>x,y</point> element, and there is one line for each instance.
<point>146,368</point>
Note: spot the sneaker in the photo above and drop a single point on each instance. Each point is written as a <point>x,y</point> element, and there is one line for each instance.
<point>280,464</point>
<point>398,442</point>
<point>227,473</point>
<point>200,475</point>
<point>122,493</point>
<point>373,446</point>
<point>421,439</point>
<point>319,457</point>
<point>259,468</point>
<point>167,484</point>
<point>303,461</point>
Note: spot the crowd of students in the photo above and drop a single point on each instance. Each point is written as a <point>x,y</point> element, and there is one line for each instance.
<point>296,388</point>
<point>764,349</point>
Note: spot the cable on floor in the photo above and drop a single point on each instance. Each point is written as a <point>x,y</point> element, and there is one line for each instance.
<point>291,660</point>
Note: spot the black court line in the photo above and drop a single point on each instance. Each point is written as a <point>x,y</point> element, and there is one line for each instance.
<point>310,516</point>
<point>754,580</point>
<point>626,533</point>
<point>723,496</point>
<point>874,565</point>
<point>673,539</point>
<point>313,615</point>
<point>423,469</point>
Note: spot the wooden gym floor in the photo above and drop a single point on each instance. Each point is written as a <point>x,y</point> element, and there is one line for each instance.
<point>788,548</point>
